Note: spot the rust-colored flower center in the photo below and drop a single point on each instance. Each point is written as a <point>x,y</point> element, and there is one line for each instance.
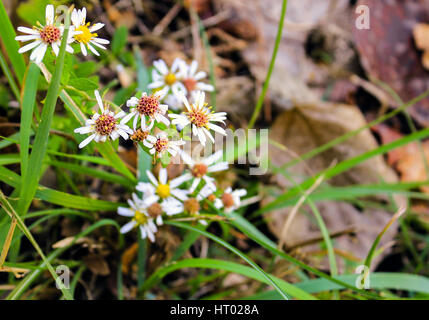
<point>148,105</point>
<point>190,84</point>
<point>50,34</point>
<point>198,117</point>
<point>154,210</point>
<point>199,170</point>
<point>161,144</point>
<point>211,197</point>
<point>105,124</point>
<point>227,200</point>
<point>139,135</point>
<point>192,206</point>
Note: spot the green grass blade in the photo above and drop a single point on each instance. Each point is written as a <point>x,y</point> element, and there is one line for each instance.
<point>234,250</point>
<point>106,149</point>
<point>346,165</point>
<point>9,158</point>
<point>356,191</point>
<point>321,223</point>
<point>108,152</point>
<point>270,68</point>
<point>11,211</point>
<point>60,198</point>
<point>7,35</point>
<point>9,76</point>
<point>249,230</point>
<point>31,81</point>
<point>226,266</point>
<point>30,180</point>
<point>379,281</point>
<point>101,174</point>
<point>380,235</point>
<point>348,135</point>
<point>32,276</point>
<point>209,55</point>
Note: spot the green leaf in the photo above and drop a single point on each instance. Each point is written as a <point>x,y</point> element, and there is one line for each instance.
<point>119,40</point>
<point>83,84</point>
<point>32,11</point>
<point>261,98</point>
<point>84,69</point>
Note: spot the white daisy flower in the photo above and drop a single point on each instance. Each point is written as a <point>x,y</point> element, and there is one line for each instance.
<point>140,218</point>
<point>230,200</point>
<point>199,116</point>
<point>147,106</point>
<point>200,169</point>
<point>160,144</point>
<point>45,36</point>
<point>168,79</point>
<point>87,36</point>
<point>191,78</point>
<point>163,190</point>
<point>104,125</point>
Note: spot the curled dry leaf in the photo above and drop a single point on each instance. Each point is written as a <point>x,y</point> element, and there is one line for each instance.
<point>68,241</point>
<point>128,257</point>
<point>421,37</point>
<point>409,159</point>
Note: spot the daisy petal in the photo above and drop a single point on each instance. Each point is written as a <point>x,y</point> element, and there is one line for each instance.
<point>128,226</point>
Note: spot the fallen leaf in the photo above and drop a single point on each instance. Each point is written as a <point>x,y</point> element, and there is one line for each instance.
<point>96,264</point>
<point>68,241</point>
<point>305,128</point>
<point>294,70</point>
<point>128,257</point>
<point>408,160</point>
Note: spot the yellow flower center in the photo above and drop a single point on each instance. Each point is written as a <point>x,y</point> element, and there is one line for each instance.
<point>163,190</point>
<point>140,217</point>
<point>86,35</point>
<point>170,79</point>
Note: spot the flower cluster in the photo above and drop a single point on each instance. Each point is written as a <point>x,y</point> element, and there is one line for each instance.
<point>162,197</point>
<point>156,121</point>
<point>51,34</point>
